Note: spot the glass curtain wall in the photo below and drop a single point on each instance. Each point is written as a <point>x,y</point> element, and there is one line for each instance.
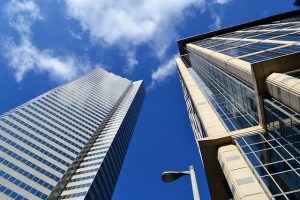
<point>275,155</point>
<point>257,43</point>
<point>233,101</point>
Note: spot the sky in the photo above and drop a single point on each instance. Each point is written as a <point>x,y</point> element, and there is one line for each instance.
<point>46,43</point>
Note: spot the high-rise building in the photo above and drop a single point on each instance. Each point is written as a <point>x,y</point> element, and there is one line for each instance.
<point>242,90</point>
<point>70,142</point>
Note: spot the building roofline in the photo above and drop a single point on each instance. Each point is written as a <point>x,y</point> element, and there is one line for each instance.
<point>182,42</point>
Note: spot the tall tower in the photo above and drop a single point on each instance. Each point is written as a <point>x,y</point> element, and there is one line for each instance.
<point>242,90</point>
<point>71,141</point>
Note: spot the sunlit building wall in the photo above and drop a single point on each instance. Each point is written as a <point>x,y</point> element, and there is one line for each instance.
<point>70,142</point>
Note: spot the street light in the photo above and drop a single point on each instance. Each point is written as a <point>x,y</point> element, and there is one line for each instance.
<point>172,176</point>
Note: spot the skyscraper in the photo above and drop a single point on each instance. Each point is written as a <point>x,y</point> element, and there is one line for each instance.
<point>242,90</point>
<point>71,141</point>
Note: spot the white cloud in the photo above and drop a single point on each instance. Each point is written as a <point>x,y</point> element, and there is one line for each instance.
<point>131,61</point>
<point>22,14</point>
<point>217,20</point>
<point>130,23</point>
<point>75,35</point>
<point>222,2</point>
<point>217,16</point>
<point>24,56</point>
<point>163,72</point>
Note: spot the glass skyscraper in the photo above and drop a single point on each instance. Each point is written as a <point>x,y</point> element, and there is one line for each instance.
<point>71,141</point>
<point>242,90</point>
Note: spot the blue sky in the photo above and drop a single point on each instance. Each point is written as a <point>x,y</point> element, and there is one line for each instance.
<point>46,43</point>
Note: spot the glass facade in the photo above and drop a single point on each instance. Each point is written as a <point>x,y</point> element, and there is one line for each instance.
<point>257,43</point>
<point>233,101</point>
<point>69,132</point>
<point>275,155</point>
<point>257,99</point>
<point>107,153</point>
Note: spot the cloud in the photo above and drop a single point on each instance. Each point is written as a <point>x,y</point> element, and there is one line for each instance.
<point>75,35</point>
<point>217,17</point>
<point>24,56</point>
<point>130,23</point>
<point>131,61</point>
<point>217,20</point>
<point>22,14</point>
<point>163,72</point>
<point>222,2</point>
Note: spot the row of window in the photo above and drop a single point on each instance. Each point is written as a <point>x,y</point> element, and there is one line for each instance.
<point>86,171</point>
<point>83,178</point>
<point>57,116</point>
<point>90,165</point>
<point>73,195</point>
<point>114,161</point>
<point>73,110</point>
<point>50,130</point>
<point>100,146</point>
<point>236,43</point>
<point>95,158</point>
<point>274,164</point>
<point>26,174</point>
<point>96,114</point>
<point>250,48</point>
<point>78,186</point>
<point>272,53</point>
<point>29,143</point>
<point>233,101</point>
<point>28,163</point>
<point>22,185</point>
<point>31,154</point>
<point>275,155</point>
<point>11,193</point>
<point>98,152</point>
<point>48,117</point>
<point>60,113</point>
<point>35,130</point>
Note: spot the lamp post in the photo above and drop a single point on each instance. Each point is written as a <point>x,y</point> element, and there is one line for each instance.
<point>172,176</point>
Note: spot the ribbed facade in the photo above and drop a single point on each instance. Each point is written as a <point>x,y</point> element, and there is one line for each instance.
<point>71,141</point>
<point>242,90</point>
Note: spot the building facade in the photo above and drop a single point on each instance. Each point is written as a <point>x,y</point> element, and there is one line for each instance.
<point>70,142</point>
<point>242,90</point>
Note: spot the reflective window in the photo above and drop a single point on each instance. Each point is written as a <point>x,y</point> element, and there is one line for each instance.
<point>254,39</point>
<point>251,48</point>
<point>233,101</point>
<point>229,44</point>
<point>209,42</point>
<point>290,37</point>
<point>270,35</point>
<point>272,54</point>
<point>11,193</point>
<point>275,154</point>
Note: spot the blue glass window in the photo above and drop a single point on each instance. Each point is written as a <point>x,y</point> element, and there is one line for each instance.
<point>275,155</point>
<point>231,98</point>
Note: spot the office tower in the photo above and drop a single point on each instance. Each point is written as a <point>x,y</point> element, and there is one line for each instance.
<point>70,142</point>
<point>242,90</point>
